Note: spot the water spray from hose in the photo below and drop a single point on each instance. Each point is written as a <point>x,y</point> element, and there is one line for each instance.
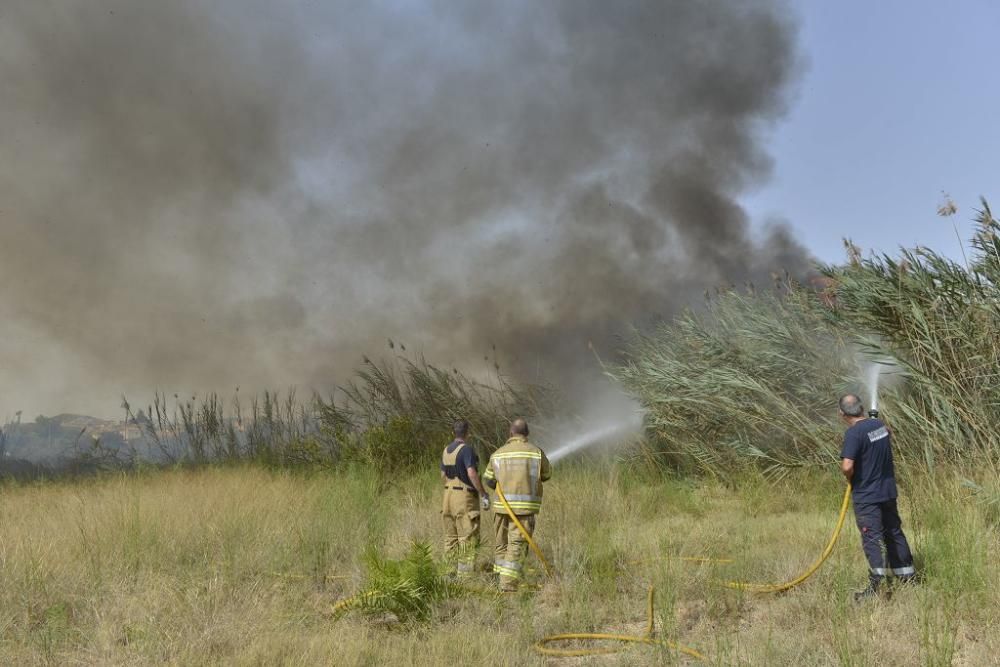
<point>596,435</point>
<point>880,372</point>
<point>874,372</point>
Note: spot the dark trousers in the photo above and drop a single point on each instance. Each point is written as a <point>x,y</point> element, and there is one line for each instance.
<point>883,540</point>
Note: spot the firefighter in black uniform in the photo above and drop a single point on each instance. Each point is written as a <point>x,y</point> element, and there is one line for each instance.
<point>866,461</point>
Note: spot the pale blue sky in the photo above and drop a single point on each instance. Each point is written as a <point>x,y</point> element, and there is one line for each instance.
<point>898,101</point>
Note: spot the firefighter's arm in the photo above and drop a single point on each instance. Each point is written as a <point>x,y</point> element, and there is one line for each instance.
<point>546,468</point>
<point>489,478</point>
<point>476,482</point>
<point>847,468</point>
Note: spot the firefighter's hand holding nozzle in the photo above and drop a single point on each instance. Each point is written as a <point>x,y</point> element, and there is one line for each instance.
<point>484,502</point>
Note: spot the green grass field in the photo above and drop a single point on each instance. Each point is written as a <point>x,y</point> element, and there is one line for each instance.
<point>241,565</point>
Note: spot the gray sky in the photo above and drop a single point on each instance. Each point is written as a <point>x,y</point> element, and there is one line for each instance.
<point>899,101</point>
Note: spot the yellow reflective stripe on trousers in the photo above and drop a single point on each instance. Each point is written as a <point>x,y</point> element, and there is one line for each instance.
<point>507,568</point>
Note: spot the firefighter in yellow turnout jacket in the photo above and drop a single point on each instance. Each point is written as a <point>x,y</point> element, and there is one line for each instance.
<point>520,467</point>
<point>464,495</point>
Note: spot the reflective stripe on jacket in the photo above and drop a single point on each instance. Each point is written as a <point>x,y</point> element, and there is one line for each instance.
<point>520,468</point>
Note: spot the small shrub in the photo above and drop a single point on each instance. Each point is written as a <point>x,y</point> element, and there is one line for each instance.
<point>408,588</point>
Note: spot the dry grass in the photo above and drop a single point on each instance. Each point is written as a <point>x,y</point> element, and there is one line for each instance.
<point>241,566</point>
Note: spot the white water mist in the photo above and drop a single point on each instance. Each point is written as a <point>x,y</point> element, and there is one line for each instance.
<point>880,372</point>
<point>601,433</point>
<point>874,373</point>
<point>607,417</point>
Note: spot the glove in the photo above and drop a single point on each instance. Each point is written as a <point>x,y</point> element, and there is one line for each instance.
<point>484,502</point>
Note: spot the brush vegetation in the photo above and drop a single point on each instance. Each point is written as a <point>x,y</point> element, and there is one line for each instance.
<point>392,414</point>
<point>752,378</point>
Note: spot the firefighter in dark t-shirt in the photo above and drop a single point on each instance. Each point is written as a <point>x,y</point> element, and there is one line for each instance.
<point>463,498</point>
<point>866,461</point>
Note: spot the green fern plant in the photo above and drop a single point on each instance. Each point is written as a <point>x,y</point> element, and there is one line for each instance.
<point>408,588</point>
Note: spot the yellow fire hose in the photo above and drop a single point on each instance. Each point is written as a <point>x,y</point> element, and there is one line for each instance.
<point>779,588</point>
<point>520,527</point>
<point>647,638</point>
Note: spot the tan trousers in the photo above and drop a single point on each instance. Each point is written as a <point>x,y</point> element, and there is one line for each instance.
<point>510,549</point>
<point>460,520</point>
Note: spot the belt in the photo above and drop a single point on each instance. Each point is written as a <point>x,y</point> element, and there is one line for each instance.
<point>462,488</point>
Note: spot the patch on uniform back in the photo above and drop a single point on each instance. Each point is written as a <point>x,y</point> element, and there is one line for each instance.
<point>878,434</point>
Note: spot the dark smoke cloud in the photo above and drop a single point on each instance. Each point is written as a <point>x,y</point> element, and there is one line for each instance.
<point>201,195</point>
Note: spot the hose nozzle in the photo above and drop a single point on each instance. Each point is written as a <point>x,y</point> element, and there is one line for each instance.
<point>873,413</point>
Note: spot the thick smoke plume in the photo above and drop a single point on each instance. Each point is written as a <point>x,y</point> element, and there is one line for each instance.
<point>201,195</point>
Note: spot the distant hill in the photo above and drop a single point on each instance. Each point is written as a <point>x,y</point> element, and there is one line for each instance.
<point>48,439</point>
<point>72,421</point>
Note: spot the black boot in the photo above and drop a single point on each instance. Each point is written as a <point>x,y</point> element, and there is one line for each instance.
<point>869,593</point>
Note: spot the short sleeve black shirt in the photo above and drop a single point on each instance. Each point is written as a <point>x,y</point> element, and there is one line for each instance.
<point>869,444</point>
<point>466,459</point>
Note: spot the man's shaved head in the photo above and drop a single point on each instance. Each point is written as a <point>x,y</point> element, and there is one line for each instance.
<point>519,427</point>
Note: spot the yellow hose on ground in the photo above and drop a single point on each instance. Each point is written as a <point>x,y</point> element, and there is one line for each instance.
<point>344,604</point>
<point>686,559</point>
<point>778,588</point>
<point>646,638</point>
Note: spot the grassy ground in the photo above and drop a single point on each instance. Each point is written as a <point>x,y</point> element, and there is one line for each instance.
<point>241,566</point>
